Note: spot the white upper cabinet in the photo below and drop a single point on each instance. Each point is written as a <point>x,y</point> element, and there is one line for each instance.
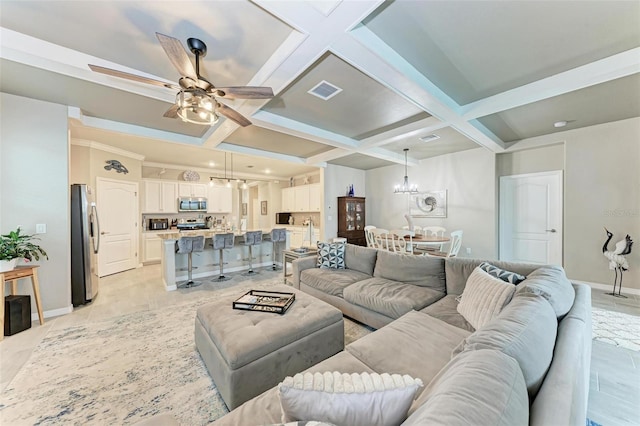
<point>305,198</point>
<point>288,199</point>
<point>160,197</point>
<point>194,190</point>
<point>219,199</point>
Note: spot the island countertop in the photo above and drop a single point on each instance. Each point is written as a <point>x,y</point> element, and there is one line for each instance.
<point>207,233</point>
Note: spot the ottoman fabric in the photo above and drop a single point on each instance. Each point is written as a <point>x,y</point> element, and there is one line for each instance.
<point>248,352</point>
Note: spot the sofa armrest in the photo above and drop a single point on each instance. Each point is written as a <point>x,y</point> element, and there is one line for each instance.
<point>300,265</point>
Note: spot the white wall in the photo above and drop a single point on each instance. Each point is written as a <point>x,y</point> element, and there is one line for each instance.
<point>35,189</point>
<point>335,180</point>
<point>469,178</point>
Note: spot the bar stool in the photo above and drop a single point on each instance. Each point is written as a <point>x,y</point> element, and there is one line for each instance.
<point>222,242</point>
<point>252,238</point>
<point>277,235</point>
<point>189,245</point>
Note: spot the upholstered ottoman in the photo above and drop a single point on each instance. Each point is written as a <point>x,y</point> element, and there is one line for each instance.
<point>249,352</point>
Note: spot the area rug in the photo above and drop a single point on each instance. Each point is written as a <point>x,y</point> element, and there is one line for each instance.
<point>123,370</point>
<point>616,328</point>
<point>116,372</point>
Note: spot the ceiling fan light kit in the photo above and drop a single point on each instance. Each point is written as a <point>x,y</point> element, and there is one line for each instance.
<point>195,106</point>
<point>405,188</point>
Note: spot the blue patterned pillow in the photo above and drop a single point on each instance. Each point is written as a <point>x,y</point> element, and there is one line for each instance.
<point>506,276</point>
<point>331,255</point>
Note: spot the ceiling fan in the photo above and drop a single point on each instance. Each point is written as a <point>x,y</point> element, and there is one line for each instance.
<point>197,99</point>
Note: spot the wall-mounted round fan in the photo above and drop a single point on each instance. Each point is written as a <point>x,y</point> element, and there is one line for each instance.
<point>197,99</point>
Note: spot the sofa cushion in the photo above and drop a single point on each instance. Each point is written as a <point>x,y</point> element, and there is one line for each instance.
<point>458,270</point>
<point>551,283</point>
<point>525,330</point>
<point>365,399</point>
<point>361,259</point>
<point>482,387</point>
<point>422,271</point>
<point>390,298</point>
<point>331,281</point>
<point>484,297</point>
<point>414,344</point>
<point>446,309</point>
<point>331,255</point>
<point>504,275</point>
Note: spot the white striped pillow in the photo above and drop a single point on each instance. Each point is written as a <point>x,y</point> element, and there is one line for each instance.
<point>483,298</point>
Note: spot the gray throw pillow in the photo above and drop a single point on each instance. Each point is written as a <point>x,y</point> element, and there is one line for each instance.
<point>331,255</point>
<point>506,276</point>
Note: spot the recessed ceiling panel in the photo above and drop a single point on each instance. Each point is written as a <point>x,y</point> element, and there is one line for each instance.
<point>612,101</point>
<point>449,141</point>
<point>93,99</point>
<point>361,161</point>
<point>363,108</point>
<point>156,151</point>
<point>472,50</point>
<point>239,35</point>
<point>268,140</point>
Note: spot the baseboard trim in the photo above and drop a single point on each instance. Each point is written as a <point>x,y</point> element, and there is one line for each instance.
<point>609,287</point>
<point>53,313</point>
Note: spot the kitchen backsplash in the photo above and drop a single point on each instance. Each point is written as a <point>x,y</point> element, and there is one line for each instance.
<point>300,218</point>
<point>195,215</point>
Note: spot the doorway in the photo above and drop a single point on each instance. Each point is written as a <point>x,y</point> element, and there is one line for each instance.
<point>531,218</point>
<point>117,203</point>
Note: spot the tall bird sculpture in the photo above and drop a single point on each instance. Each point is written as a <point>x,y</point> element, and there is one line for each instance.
<point>617,259</point>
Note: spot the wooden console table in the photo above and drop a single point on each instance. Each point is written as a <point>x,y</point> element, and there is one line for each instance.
<point>13,276</point>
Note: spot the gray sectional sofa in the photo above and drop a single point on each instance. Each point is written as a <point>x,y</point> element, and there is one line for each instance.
<point>529,365</point>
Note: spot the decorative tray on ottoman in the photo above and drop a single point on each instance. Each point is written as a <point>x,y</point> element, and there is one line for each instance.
<point>266,301</point>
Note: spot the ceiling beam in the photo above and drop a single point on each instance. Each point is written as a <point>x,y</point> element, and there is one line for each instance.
<point>607,69</point>
<point>240,149</point>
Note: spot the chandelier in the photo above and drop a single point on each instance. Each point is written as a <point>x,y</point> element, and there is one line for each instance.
<point>196,106</point>
<point>405,188</point>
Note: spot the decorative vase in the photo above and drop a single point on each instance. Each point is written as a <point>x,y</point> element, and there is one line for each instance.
<point>351,191</point>
<point>8,265</point>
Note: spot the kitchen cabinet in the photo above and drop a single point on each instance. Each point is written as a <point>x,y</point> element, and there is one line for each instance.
<point>315,199</point>
<point>193,190</point>
<point>296,237</point>
<point>351,219</point>
<point>219,199</point>
<point>301,198</point>
<point>288,199</point>
<point>160,197</point>
<point>151,248</point>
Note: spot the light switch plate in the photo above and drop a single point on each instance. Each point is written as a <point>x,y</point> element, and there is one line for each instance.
<point>41,228</point>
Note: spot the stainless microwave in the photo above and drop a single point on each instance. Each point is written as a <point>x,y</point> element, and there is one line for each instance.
<point>282,218</point>
<point>192,204</point>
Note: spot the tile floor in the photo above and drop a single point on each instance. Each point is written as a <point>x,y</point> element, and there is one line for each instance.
<point>614,397</point>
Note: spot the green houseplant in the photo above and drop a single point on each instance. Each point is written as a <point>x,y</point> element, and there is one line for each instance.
<point>16,245</point>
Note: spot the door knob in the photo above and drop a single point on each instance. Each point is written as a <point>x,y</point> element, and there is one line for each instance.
<point>102,233</point>
<point>552,230</point>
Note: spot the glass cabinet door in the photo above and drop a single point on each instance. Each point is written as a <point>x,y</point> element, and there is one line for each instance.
<point>350,217</point>
<point>359,215</point>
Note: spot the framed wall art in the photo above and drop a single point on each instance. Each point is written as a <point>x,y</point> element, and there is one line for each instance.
<point>263,208</point>
<point>428,204</point>
<point>244,209</point>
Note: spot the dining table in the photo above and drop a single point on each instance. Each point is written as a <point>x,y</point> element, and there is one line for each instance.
<point>429,241</point>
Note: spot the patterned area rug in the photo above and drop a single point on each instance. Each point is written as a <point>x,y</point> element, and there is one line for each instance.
<point>616,328</point>
<point>123,370</point>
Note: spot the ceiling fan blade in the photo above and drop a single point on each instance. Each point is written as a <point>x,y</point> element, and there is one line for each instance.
<point>178,56</point>
<point>244,92</point>
<point>133,77</point>
<point>232,114</point>
<point>171,112</point>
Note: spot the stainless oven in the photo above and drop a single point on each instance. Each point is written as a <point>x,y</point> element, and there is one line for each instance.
<point>192,204</point>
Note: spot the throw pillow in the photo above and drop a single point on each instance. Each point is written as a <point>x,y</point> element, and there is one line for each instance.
<point>506,276</point>
<point>483,298</point>
<point>331,255</point>
<point>365,399</point>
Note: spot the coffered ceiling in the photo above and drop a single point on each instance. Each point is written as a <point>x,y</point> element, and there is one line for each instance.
<point>474,74</point>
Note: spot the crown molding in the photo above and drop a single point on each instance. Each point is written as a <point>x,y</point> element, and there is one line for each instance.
<point>106,148</point>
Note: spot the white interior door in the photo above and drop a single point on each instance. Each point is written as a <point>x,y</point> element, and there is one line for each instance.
<point>117,203</point>
<point>531,218</point>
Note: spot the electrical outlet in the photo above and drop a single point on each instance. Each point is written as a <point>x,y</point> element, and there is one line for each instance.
<point>41,228</point>
<point>329,217</point>
<point>468,250</point>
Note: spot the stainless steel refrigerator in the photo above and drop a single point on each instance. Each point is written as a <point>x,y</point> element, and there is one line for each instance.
<point>85,243</point>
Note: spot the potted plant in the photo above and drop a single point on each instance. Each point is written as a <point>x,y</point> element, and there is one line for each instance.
<point>14,246</point>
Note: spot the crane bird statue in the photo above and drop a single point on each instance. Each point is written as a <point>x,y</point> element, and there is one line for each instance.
<point>617,261</point>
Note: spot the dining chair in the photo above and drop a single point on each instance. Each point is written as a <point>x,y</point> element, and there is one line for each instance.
<point>369,236</point>
<point>402,240</point>
<point>454,246</point>
<point>381,238</point>
<point>434,231</point>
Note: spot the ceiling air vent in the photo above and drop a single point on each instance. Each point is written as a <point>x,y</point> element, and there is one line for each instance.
<point>325,90</point>
<point>429,138</point>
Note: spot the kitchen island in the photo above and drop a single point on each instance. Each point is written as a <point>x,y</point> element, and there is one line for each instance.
<point>207,262</point>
